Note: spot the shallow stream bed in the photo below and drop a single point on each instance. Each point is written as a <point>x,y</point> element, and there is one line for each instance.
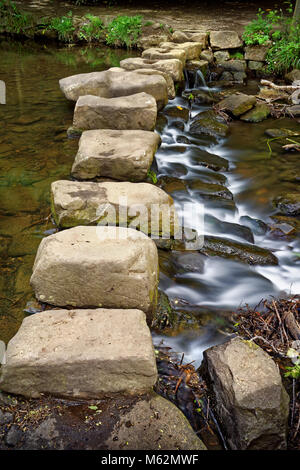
<point>35,150</point>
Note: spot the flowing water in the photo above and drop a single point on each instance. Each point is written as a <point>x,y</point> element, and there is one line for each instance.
<point>34,151</point>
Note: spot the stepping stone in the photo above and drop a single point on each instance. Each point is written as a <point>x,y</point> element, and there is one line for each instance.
<point>224,40</point>
<point>109,267</point>
<point>80,354</point>
<point>121,155</point>
<point>158,53</point>
<point>192,49</point>
<point>172,67</point>
<point>166,76</point>
<point>127,112</point>
<point>113,83</point>
<point>81,203</point>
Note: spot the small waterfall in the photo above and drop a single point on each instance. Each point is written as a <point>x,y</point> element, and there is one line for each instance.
<point>200,80</point>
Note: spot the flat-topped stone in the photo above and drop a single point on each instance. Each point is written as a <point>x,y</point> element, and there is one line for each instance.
<point>237,103</point>
<point>121,155</point>
<point>224,40</point>
<point>109,267</point>
<point>140,205</point>
<point>126,112</point>
<point>80,354</point>
<point>113,83</point>
<point>166,76</point>
<point>159,53</point>
<point>190,36</point>
<point>192,49</point>
<point>172,67</point>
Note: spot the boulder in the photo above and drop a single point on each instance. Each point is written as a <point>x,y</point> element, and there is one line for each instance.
<point>122,155</point>
<point>127,112</point>
<point>288,204</point>
<point>152,40</point>
<point>224,40</point>
<point>210,190</point>
<point>172,67</point>
<point>82,203</point>
<point>190,36</point>
<point>209,123</point>
<point>234,65</point>
<point>255,65</point>
<point>110,423</point>
<point>109,267</point>
<point>208,55</point>
<point>292,76</point>
<point>237,103</point>
<point>166,76</point>
<point>257,226</point>
<point>80,354</point>
<point>221,56</point>
<point>251,402</point>
<point>257,114</point>
<point>192,49</point>
<point>244,252</point>
<point>113,83</point>
<point>256,53</point>
<point>159,53</point>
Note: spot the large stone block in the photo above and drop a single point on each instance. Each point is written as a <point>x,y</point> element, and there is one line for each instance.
<point>109,267</point>
<point>192,49</point>
<point>121,155</point>
<point>172,67</point>
<point>224,40</point>
<point>251,401</point>
<point>237,103</point>
<point>113,83</point>
<point>256,53</point>
<point>166,76</point>
<point>159,53</point>
<point>190,36</point>
<point>140,205</point>
<point>127,112</point>
<point>80,354</point>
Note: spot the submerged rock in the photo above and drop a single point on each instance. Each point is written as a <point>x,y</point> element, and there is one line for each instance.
<point>251,402</point>
<point>209,160</point>
<point>144,422</point>
<point>224,40</point>
<point>118,266</point>
<point>208,190</point>
<point>80,354</point>
<point>127,112</point>
<point>257,226</point>
<point>227,248</point>
<point>122,155</point>
<point>288,204</point>
<point>237,103</point>
<point>281,133</point>
<point>256,114</point>
<point>115,82</point>
<point>208,122</point>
